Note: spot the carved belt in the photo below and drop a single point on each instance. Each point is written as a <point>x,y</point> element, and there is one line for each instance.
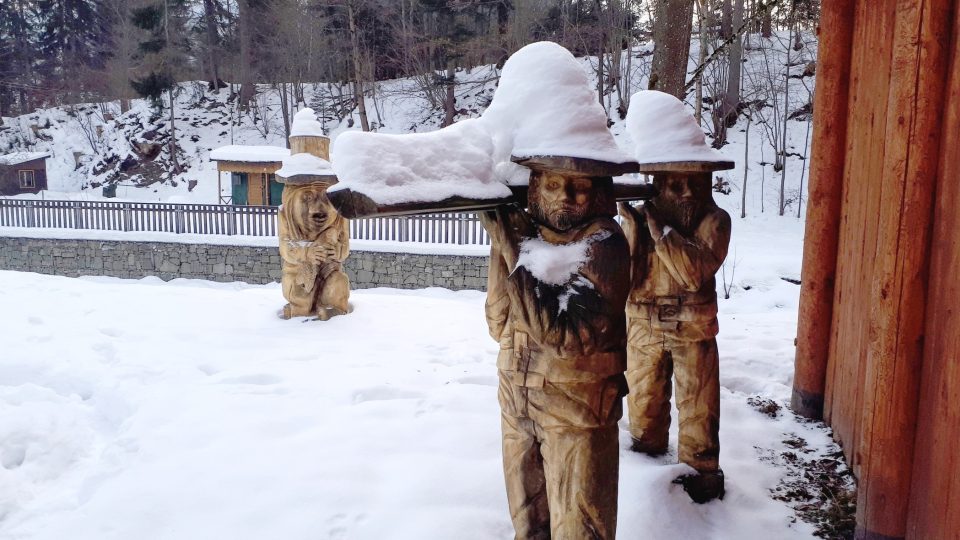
<point>667,312</point>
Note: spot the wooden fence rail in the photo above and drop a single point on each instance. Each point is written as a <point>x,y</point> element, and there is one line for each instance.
<point>458,229</point>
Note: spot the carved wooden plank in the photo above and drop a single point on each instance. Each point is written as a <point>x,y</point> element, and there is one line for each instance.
<point>935,489</point>
<point>898,290</point>
<point>869,84</point>
<point>353,205</point>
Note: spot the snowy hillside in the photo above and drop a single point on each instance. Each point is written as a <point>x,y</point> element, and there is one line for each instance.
<point>132,148</point>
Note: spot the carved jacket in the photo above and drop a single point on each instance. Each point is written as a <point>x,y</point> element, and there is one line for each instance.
<point>673,285</point>
<point>562,333</point>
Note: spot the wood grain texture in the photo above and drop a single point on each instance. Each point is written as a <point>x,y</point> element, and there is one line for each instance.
<point>935,490</point>
<point>899,285</point>
<point>866,130</point>
<point>822,231</point>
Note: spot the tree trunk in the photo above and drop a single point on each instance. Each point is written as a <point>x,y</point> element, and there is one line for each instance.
<point>285,111</point>
<point>766,24</point>
<point>731,98</point>
<point>247,88</point>
<point>701,58</point>
<point>175,168</point>
<point>357,72</point>
<point>786,118</point>
<point>727,25</point>
<point>450,98</point>
<point>671,33</point>
<point>210,17</point>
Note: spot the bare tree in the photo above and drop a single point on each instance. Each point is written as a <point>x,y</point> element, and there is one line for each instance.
<point>671,33</point>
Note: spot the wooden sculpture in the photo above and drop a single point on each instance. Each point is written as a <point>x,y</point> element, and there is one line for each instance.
<point>314,242</point>
<point>314,237</point>
<point>557,286</point>
<point>678,241</point>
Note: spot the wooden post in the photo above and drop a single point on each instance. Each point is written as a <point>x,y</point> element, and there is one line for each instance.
<point>823,208</point>
<point>935,491</point>
<point>310,144</point>
<point>899,286</point>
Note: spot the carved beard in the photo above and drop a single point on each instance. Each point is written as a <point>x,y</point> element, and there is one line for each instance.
<point>561,217</point>
<point>681,215</point>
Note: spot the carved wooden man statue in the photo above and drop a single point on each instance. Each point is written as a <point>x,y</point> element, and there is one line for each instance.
<point>314,242</point>
<point>559,276</point>
<point>678,241</point>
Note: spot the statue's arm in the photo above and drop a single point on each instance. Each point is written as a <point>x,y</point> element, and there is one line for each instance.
<point>694,260</point>
<point>291,250</point>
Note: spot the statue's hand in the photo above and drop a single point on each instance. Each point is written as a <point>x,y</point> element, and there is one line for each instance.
<point>516,226</point>
<point>654,220</point>
<point>319,253</point>
<point>628,212</point>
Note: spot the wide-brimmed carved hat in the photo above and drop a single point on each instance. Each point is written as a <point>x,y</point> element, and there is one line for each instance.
<point>302,169</point>
<point>576,166</point>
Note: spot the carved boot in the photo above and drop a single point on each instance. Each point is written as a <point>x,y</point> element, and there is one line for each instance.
<point>648,447</point>
<point>702,487</point>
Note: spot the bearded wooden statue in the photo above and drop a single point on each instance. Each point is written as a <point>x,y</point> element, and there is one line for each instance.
<point>314,242</point>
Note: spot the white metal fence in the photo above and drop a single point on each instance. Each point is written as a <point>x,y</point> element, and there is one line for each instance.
<point>462,229</point>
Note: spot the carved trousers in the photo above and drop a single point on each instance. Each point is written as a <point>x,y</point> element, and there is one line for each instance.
<point>694,366</point>
<point>561,457</point>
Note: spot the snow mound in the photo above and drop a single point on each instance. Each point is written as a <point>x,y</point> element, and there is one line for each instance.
<point>545,106</point>
<point>304,164</point>
<point>425,167</point>
<point>305,123</point>
<point>664,130</point>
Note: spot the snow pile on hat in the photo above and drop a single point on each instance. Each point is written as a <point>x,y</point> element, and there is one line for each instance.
<point>305,123</point>
<point>664,130</point>
<point>302,167</point>
<point>544,106</point>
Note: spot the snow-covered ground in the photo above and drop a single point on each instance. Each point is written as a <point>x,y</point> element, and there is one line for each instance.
<point>182,410</point>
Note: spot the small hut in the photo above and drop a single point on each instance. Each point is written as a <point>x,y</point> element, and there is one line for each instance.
<point>252,173</point>
<point>23,172</point>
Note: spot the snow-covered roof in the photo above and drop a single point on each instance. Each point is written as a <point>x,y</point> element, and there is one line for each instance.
<point>22,157</point>
<point>249,154</point>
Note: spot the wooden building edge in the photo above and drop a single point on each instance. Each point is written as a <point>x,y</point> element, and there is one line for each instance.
<point>878,340</point>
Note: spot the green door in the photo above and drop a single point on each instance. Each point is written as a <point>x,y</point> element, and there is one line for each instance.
<point>276,191</point>
<point>238,185</point>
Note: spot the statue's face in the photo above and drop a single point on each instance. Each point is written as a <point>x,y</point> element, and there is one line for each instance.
<point>311,207</point>
<point>683,198</point>
<point>559,201</point>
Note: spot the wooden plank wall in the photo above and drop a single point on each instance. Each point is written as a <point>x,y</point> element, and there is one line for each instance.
<point>866,124</point>
<point>893,363</point>
<point>935,489</point>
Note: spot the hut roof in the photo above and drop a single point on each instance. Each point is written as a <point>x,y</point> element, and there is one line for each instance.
<point>250,154</point>
<point>22,157</point>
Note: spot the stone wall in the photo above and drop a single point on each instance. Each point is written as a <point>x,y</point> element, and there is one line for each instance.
<point>250,264</point>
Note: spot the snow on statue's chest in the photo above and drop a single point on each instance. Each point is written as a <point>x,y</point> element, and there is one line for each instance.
<point>559,265</point>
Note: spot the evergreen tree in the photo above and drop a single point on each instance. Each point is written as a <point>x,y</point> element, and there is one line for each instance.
<point>73,45</point>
